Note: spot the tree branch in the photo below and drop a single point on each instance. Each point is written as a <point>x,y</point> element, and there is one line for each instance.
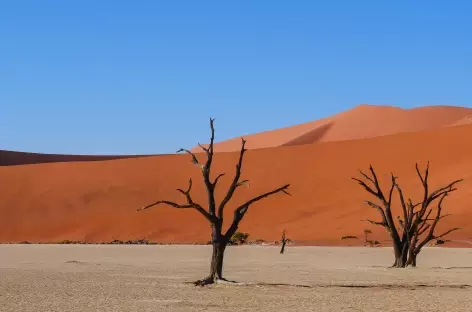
<point>175,205</point>
<point>386,213</point>
<point>242,209</point>
<point>379,209</point>
<point>258,198</point>
<point>430,235</point>
<point>217,178</point>
<point>366,176</point>
<point>194,158</point>
<point>206,170</point>
<point>235,184</point>
<point>447,232</point>
<point>190,203</point>
<point>441,191</point>
<point>404,207</point>
<point>394,183</point>
<point>375,222</point>
<point>366,187</point>
<point>377,184</point>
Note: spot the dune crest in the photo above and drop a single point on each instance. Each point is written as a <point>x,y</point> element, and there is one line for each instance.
<point>363,121</point>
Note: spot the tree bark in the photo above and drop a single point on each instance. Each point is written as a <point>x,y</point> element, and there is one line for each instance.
<point>412,258</point>
<point>283,247</point>
<point>219,245</point>
<point>216,267</point>
<point>401,256</point>
<point>400,261</point>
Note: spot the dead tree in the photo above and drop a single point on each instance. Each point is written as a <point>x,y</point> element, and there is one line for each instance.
<point>283,241</point>
<point>417,224</point>
<point>215,213</point>
<point>366,235</point>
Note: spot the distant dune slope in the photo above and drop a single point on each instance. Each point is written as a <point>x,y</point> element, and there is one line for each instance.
<point>97,201</point>
<point>363,121</point>
<point>11,158</point>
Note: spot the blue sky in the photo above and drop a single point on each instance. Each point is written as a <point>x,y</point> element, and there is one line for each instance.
<point>141,77</point>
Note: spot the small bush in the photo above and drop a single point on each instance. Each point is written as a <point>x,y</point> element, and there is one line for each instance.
<point>439,241</point>
<point>239,238</point>
<point>67,242</point>
<point>258,242</point>
<point>372,243</point>
<point>349,237</point>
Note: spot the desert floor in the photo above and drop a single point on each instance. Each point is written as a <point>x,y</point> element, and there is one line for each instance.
<point>154,278</point>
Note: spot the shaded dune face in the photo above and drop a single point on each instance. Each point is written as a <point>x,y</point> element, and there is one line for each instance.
<point>97,201</point>
<point>312,136</point>
<point>11,158</point>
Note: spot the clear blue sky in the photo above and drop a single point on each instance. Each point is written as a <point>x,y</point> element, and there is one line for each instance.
<point>138,77</point>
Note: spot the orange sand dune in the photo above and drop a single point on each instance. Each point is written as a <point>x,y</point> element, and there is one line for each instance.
<point>97,201</point>
<point>363,121</point>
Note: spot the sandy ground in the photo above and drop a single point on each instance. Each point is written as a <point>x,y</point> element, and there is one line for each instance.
<point>153,278</point>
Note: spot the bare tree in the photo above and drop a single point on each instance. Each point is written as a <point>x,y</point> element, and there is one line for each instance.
<point>366,235</point>
<point>214,213</point>
<point>283,241</point>
<point>418,221</point>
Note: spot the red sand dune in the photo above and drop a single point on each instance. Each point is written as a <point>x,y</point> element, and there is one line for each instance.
<point>97,201</point>
<point>363,121</point>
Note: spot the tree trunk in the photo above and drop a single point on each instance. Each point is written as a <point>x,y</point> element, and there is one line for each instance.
<point>216,268</point>
<point>401,256</point>
<point>283,247</point>
<point>412,258</point>
<point>400,261</point>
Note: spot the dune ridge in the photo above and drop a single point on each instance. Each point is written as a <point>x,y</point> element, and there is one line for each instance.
<point>362,121</point>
